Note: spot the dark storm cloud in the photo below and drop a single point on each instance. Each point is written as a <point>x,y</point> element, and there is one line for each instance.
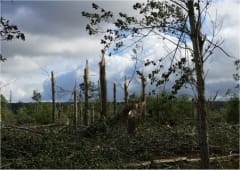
<point>51,18</point>
<point>47,21</point>
<point>59,18</point>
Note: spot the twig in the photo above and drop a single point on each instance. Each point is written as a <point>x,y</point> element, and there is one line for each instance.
<point>219,47</point>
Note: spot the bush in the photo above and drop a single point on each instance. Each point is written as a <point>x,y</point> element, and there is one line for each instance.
<point>43,116</point>
<point>6,113</point>
<point>182,107</point>
<point>22,116</point>
<point>165,108</point>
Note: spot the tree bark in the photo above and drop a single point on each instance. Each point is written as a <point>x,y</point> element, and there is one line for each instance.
<point>143,96</point>
<point>53,97</point>
<point>79,110</point>
<point>114,100</point>
<point>103,87</point>
<point>125,93</point>
<point>75,107</point>
<point>85,115</point>
<point>197,42</point>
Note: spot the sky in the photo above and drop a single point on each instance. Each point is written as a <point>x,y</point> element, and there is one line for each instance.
<point>56,40</point>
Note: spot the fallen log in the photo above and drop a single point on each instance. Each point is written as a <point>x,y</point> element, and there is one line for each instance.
<point>147,164</point>
<point>22,128</point>
<point>144,164</point>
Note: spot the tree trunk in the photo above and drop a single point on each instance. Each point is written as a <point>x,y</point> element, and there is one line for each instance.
<point>79,110</point>
<point>143,96</point>
<point>85,115</point>
<point>114,100</point>
<point>75,107</point>
<point>197,42</point>
<point>103,87</point>
<point>53,97</point>
<point>125,94</point>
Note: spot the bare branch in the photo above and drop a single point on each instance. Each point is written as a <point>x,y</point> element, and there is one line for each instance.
<point>220,48</point>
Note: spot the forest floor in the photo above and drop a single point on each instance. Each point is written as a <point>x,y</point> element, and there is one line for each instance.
<point>108,145</point>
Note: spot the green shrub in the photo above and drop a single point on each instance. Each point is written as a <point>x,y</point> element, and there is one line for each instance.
<point>43,116</point>
<point>165,108</point>
<point>6,114</point>
<point>22,116</point>
<point>182,107</point>
<point>216,116</point>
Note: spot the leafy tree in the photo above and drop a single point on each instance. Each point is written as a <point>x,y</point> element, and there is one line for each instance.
<point>181,19</point>
<point>37,96</point>
<point>8,32</point>
<point>93,90</point>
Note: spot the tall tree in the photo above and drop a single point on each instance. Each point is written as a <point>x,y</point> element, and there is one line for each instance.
<point>173,19</point>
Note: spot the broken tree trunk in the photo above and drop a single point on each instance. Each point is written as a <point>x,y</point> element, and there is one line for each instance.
<point>75,106</point>
<point>114,100</point>
<point>86,84</point>
<point>103,88</point>
<point>125,94</point>
<point>79,110</point>
<point>53,97</point>
<point>143,95</point>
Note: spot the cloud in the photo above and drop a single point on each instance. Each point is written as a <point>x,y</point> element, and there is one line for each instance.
<point>56,40</point>
<point>37,45</point>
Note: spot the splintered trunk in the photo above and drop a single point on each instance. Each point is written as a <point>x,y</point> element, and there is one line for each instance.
<point>143,95</point>
<point>197,42</point>
<point>75,107</point>
<point>125,94</point>
<point>85,114</point>
<point>79,110</point>
<point>53,97</point>
<point>114,100</point>
<point>103,88</point>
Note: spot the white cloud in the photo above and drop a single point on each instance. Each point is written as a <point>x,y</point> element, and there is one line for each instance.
<point>20,64</point>
<point>66,55</point>
<point>45,45</point>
